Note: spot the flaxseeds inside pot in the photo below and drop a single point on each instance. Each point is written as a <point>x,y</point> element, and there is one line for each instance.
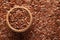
<point>19,18</point>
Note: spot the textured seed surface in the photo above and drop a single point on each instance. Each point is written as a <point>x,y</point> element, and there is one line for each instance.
<point>19,18</point>
<point>46,20</point>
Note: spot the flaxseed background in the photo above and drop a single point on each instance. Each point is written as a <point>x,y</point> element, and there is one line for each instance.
<point>46,20</point>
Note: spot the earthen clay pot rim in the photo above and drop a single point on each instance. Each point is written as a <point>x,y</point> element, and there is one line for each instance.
<point>9,25</point>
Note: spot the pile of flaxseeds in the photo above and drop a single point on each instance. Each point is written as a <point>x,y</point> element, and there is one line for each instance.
<point>19,18</point>
<point>46,20</point>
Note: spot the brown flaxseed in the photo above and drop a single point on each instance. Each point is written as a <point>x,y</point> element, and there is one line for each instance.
<point>45,26</point>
